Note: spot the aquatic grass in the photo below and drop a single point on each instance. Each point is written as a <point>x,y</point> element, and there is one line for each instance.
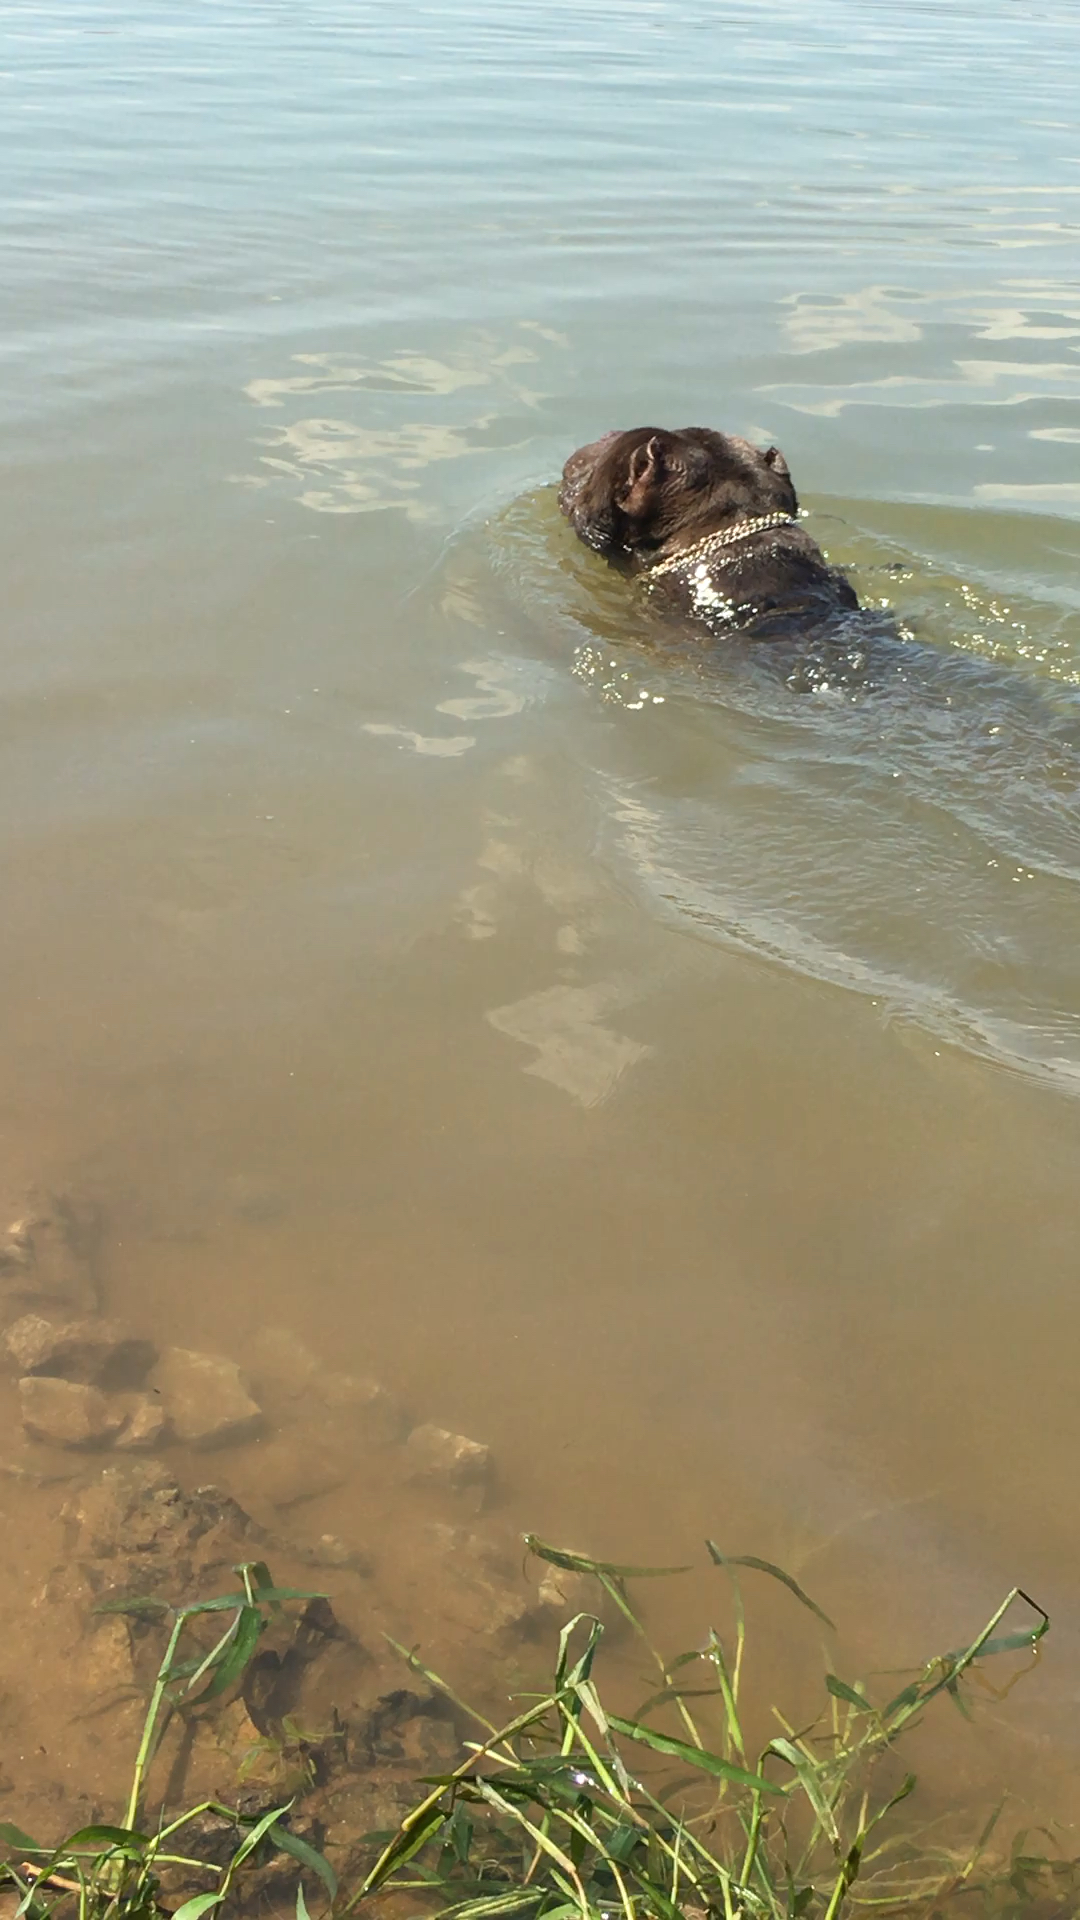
<point>110,1872</point>
<point>570,1811</point>
<point>573,1809</point>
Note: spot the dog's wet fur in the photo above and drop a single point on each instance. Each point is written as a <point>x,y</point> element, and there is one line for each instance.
<point>644,497</point>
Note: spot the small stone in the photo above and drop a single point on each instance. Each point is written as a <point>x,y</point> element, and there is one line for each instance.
<point>17,1249</point>
<point>205,1399</point>
<point>94,1353</point>
<point>26,1338</point>
<point>449,1460</point>
<point>147,1423</point>
<point>66,1414</point>
<point>330,1551</point>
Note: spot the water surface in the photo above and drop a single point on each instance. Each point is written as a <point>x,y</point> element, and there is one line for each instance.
<point>665,1069</point>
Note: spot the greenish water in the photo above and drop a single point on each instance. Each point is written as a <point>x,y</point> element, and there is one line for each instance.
<point>573,1009</point>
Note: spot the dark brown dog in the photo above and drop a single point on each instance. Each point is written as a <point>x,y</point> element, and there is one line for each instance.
<point>709,523</point>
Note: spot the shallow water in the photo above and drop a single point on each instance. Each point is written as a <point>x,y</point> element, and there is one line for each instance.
<point>663,1068</point>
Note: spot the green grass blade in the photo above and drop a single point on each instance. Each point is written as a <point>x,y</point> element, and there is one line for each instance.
<point>952,1666</point>
<point>440,1685</point>
<point>230,1658</point>
<point>580,1563</point>
<point>257,1578</point>
<point>199,1904</point>
<point>852,1862</point>
<point>141,1606</point>
<point>273,1596</point>
<point>249,1843</point>
<point>308,1856</point>
<point>775,1573</point>
<point>658,1900</point>
<point>575,1676</point>
<point>230,1602</point>
<point>1020,1641</point>
<point>695,1756</point>
<point>905,1698</point>
<point>15,1837</point>
<point>115,1839</point>
<point>841,1691</point>
<point>406,1843</point>
<point>535,1833</point>
<point>495,1905</point>
<point>809,1777</point>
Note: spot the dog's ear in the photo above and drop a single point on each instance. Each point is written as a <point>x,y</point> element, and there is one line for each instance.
<point>786,497</point>
<point>645,471</point>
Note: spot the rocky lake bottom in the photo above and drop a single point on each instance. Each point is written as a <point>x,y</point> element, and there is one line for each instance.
<point>137,1473</point>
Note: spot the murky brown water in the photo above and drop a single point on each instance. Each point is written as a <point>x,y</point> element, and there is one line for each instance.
<point>665,1076</point>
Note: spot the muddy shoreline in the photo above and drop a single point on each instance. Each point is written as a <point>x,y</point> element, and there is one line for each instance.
<point>132,1472</point>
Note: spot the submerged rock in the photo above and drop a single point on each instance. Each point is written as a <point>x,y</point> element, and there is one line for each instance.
<point>269,1884</point>
<point>132,1507</point>
<point>289,1470</point>
<point>330,1551</point>
<point>480,1589</point>
<point>150,1537</point>
<point>564,1593</point>
<point>146,1424</point>
<point>205,1399</point>
<point>92,1352</point>
<point>333,1552</point>
<point>106,1667</point>
<point>47,1253</point>
<point>282,1365</point>
<point>24,1340</point>
<point>371,1408</point>
<point>287,1371</point>
<point>66,1414</point>
<point>430,1745</point>
<point>449,1461</point>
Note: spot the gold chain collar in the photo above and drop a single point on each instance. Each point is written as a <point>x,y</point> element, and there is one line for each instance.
<point>714,542</point>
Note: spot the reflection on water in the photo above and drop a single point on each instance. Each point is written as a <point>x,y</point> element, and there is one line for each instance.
<point>410,946</point>
<point>366,469</point>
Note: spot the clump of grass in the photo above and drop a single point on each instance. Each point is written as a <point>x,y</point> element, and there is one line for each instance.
<point>572,1812</point>
<point>569,1825</point>
<point>115,1872</point>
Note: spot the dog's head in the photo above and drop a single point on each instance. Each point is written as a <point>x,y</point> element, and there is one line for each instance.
<point>628,493</point>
